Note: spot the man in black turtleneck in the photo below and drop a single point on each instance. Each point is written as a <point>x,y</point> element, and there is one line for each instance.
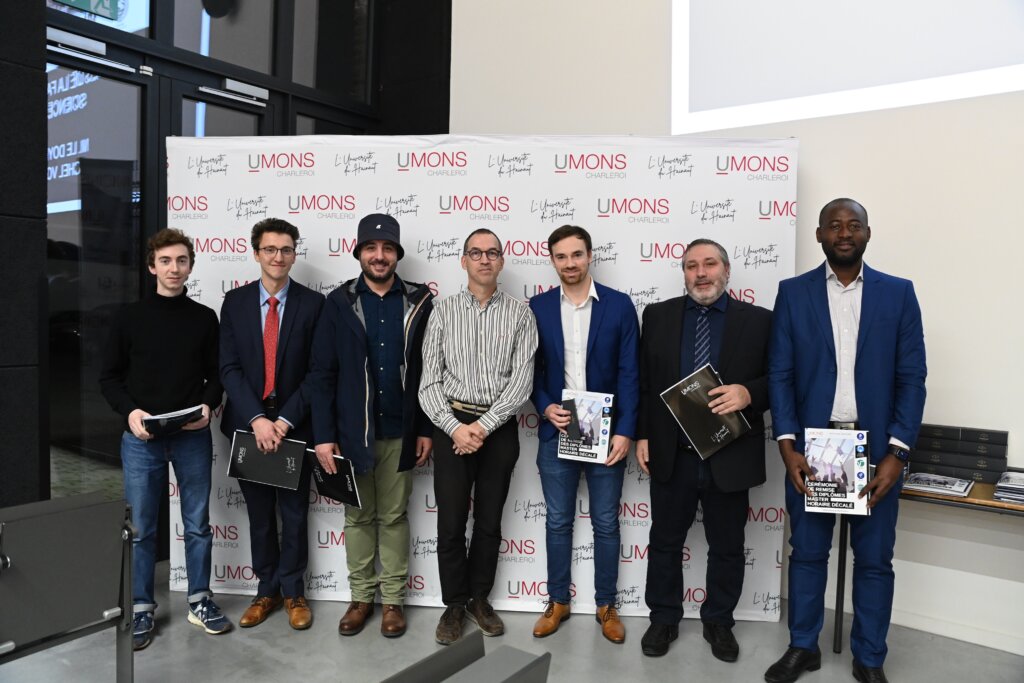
<point>162,357</point>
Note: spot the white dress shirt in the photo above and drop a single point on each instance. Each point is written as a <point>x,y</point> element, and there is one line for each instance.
<point>576,334</point>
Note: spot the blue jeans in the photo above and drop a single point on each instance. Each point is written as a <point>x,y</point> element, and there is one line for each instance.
<point>560,480</point>
<point>145,484</point>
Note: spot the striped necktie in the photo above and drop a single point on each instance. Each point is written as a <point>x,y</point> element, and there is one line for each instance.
<point>702,343</point>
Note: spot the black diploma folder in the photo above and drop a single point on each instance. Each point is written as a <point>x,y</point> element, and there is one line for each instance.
<point>340,486</point>
<point>282,469</point>
<point>688,400</point>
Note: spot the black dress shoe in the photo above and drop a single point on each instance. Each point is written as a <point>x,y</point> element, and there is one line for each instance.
<point>655,641</point>
<point>868,674</point>
<point>723,642</point>
<point>792,664</point>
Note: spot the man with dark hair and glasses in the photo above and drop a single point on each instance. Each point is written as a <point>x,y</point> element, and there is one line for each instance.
<point>366,365</point>
<point>266,334</point>
<point>161,357</point>
<point>477,372</point>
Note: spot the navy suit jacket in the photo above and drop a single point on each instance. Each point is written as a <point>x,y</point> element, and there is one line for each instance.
<point>613,355</point>
<point>241,358</point>
<point>890,366</point>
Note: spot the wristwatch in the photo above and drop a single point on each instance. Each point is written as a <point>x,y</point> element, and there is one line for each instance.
<point>902,453</point>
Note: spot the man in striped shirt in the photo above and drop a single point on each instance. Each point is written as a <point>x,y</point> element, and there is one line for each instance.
<point>477,372</point>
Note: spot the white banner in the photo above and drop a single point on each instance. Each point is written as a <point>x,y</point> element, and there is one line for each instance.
<point>642,199</point>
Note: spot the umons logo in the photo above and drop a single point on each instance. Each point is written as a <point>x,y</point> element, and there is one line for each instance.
<point>695,595</point>
<point>635,510</point>
<point>416,582</point>
<point>326,205</point>
<point>769,209</point>
<point>530,291</point>
<point>517,546</point>
<point>284,163</point>
<point>187,203</point>
<point>663,251</point>
<point>221,245</point>
<point>172,489</point>
<point>757,167</point>
<point>226,532</point>
<point>766,515</point>
<point>336,246</point>
<point>596,165</point>
<point>227,285</point>
<point>632,206</point>
<point>233,572</point>
<point>532,589</point>
<point>629,553</point>
<point>527,252</point>
<point>528,422</point>
<point>747,295</point>
<point>435,163</point>
<point>473,203</point>
<point>330,538</point>
<point>318,500</point>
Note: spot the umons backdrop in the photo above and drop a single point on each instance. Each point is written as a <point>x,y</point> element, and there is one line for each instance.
<point>642,199</point>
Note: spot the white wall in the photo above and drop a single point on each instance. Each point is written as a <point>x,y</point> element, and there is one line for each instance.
<point>938,181</point>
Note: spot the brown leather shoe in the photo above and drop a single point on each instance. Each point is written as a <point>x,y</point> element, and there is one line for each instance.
<point>480,612</point>
<point>553,616</point>
<point>392,621</point>
<point>611,627</point>
<point>355,617</point>
<point>300,616</point>
<point>259,610</point>
<point>449,628</point>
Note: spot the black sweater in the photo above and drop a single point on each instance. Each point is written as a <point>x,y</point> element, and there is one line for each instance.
<point>161,356</point>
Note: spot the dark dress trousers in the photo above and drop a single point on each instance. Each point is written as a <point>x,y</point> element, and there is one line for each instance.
<point>279,566</point>
<point>679,479</point>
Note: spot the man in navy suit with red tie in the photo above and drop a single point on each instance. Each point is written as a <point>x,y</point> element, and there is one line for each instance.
<point>847,353</point>
<point>266,334</point>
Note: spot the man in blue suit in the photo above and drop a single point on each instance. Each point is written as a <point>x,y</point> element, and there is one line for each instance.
<point>589,341</point>
<point>847,353</point>
<point>266,334</point>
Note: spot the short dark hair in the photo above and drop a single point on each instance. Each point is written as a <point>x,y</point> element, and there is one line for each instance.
<point>570,231</point>
<point>168,237</point>
<point>838,201</point>
<point>277,225</point>
<point>711,243</point>
<point>480,231</point>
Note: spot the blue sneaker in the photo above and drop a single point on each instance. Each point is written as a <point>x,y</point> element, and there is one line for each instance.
<point>142,630</point>
<point>206,614</point>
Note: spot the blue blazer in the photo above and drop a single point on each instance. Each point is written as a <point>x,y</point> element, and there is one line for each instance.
<point>890,366</point>
<point>613,356</point>
<point>241,358</point>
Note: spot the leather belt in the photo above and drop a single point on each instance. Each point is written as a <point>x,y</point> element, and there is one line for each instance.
<point>843,425</point>
<point>468,407</point>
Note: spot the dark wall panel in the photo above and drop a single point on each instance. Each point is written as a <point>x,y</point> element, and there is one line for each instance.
<point>22,33</point>
<point>24,240</point>
<point>19,449</point>
<point>23,140</point>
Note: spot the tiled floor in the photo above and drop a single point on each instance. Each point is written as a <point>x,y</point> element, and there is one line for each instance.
<point>71,474</point>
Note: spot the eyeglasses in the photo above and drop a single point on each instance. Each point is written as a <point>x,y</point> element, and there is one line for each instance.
<point>287,252</point>
<point>477,254</point>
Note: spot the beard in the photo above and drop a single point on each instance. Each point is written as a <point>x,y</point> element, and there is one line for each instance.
<point>850,258</point>
<point>706,298</point>
<point>379,279</point>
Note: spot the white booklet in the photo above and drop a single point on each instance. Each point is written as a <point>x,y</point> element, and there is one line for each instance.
<point>589,430</point>
<point>165,424</point>
<point>937,483</point>
<point>841,465</point>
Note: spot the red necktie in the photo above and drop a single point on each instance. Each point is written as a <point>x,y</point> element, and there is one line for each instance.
<point>270,347</point>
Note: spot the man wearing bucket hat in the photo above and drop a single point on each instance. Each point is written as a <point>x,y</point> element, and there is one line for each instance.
<point>366,367</point>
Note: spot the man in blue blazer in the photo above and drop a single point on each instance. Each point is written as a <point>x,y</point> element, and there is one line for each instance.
<point>589,341</point>
<point>266,334</point>
<point>848,353</point>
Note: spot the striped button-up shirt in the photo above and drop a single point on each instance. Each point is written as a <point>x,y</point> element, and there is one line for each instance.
<point>482,356</point>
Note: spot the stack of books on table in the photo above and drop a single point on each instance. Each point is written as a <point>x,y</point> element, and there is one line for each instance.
<point>1010,488</point>
<point>936,483</point>
<point>960,452</point>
